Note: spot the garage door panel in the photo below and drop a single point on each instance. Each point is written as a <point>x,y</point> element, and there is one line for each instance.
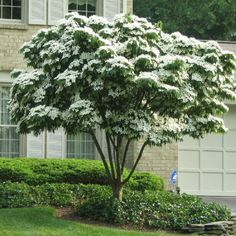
<point>212,160</point>
<point>230,139</point>
<point>190,181</point>
<point>230,182</point>
<point>212,141</point>
<point>230,161</point>
<point>210,166</point>
<point>189,159</point>
<point>190,143</point>
<point>212,182</point>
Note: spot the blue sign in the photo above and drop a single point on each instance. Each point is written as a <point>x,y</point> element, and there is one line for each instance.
<point>174,177</point>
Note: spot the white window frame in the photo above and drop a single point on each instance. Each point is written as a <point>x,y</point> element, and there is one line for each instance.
<point>23,15</point>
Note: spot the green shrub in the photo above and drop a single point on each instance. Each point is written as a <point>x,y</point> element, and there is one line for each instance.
<point>146,181</point>
<point>161,210</point>
<point>14,195</point>
<point>40,171</point>
<point>72,171</point>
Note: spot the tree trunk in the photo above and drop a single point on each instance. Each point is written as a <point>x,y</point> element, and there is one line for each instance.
<point>117,191</point>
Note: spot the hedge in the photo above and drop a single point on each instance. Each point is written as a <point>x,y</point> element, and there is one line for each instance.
<point>161,210</point>
<point>15,195</point>
<point>72,171</point>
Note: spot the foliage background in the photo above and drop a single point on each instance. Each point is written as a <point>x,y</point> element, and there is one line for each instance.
<point>212,19</point>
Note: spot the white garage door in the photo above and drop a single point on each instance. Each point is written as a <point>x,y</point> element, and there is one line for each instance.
<point>208,166</point>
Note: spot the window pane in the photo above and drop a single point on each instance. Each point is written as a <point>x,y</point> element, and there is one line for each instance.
<point>9,142</point>
<point>17,3</point>
<point>80,146</point>
<point>72,5</point>
<point>90,14</point>
<point>7,2</point>
<point>9,138</point>
<point>11,9</point>
<point>91,5</point>
<point>82,5</point>
<point>6,12</point>
<point>16,13</point>
<point>83,13</point>
<point>4,98</point>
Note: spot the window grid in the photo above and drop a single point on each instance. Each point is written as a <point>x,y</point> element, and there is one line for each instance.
<point>10,9</point>
<point>9,139</point>
<point>83,7</point>
<point>80,146</point>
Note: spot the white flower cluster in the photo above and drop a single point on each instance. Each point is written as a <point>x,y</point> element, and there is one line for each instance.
<point>25,78</point>
<point>126,76</point>
<point>44,111</point>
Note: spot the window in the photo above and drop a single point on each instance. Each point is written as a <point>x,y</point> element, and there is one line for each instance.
<point>80,146</point>
<point>83,7</point>
<point>11,9</point>
<point>9,139</point>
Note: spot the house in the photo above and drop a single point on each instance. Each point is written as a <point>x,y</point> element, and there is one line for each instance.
<point>205,167</point>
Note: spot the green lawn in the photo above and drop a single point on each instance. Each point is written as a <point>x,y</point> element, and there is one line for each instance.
<point>43,222</point>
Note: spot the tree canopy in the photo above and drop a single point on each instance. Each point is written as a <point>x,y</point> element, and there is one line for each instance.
<point>126,77</point>
<point>212,19</point>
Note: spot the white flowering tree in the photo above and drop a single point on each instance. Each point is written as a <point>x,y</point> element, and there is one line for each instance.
<point>127,78</point>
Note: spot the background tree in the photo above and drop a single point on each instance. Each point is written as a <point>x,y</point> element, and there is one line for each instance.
<point>127,78</point>
<point>212,19</point>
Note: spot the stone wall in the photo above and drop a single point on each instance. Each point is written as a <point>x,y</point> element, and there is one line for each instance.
<point>216,228</point>
<point>157,160</point>
<point>130,6</point>
<point>11,39</point>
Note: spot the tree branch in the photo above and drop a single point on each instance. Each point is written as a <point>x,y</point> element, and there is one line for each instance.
<point>125,155</point>
<point>112,141</point>
<point>139,103</point>
<point>149,101</point>
<point>102,156</point>
<point>136,163</point>
<point>110,156</point>
<point>117,158</point>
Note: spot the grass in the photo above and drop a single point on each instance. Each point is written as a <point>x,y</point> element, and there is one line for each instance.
<point>43,222</point>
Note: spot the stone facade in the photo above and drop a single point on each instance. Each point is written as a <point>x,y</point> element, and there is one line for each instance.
<point>11,39</point>
<point>158,160</point>
<point>130,6</point>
